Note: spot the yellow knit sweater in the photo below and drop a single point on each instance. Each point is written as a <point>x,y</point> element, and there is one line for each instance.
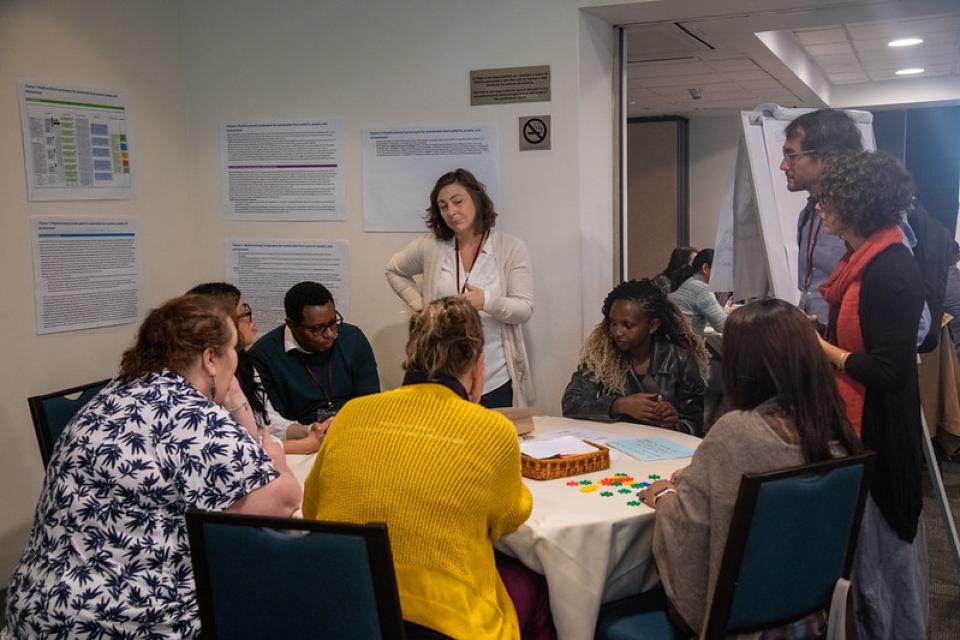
<point>444,474</point>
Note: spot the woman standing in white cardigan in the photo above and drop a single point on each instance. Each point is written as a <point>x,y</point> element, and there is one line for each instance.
<point>464,255</point>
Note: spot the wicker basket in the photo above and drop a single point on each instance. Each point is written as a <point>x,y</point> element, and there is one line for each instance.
<point>552,468</point>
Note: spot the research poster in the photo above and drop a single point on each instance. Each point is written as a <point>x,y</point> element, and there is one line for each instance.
<point>87,273</point>
<point>402,164</point>
<point>283,170</point>
<point>265,269</point>
<point>76,143</point>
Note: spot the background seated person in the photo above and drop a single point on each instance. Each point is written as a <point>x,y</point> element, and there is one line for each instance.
<point>641,364</point>
<point>788,413</point>
<point>680,258</point>
<point>315,362</point>
<point>694,298</point>
<point>391,458</point>
<point>108,556</point>
<point>296,437</point>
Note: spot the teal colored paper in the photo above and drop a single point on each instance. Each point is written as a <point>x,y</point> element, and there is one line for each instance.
<point>651,449</point>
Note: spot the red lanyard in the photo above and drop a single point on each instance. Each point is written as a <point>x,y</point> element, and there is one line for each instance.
<point>473,265</point>
<point>329,390</point>
<point>811,247</point>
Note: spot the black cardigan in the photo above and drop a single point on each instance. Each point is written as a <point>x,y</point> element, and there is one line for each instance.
<point>891,301</point>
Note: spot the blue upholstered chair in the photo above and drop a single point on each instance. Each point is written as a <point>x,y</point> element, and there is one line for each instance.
<point>263,577</point>
<point>789,552</point>
<point>52,411</point>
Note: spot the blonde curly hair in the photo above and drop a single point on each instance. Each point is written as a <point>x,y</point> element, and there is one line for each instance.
<point>607,365</point>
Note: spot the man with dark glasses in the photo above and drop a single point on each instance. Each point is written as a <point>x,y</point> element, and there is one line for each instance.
<point>315,362</point>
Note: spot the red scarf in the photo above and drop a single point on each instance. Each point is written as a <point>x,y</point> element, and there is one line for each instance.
<point>842,289</point>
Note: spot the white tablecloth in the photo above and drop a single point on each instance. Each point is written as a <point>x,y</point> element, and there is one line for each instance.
<point>591,548</point>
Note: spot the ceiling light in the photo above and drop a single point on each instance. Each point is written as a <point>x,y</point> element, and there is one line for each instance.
<point>905,42</point>
<point>910,72</point>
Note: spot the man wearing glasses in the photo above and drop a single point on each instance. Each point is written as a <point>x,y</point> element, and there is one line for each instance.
<point>315,362</point>
<point>809,138</point>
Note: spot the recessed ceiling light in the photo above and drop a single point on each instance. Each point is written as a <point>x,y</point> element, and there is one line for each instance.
<point>905,42</point>
<point>910,72</point>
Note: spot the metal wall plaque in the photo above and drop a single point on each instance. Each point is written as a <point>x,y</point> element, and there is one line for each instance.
<point>510,84</point>
<point>534,133</point>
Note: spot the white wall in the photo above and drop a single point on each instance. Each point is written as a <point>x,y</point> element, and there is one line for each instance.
<point>713,155</point>
<point>131,47</point>
<point>185,67</point>
<point>384,63</point>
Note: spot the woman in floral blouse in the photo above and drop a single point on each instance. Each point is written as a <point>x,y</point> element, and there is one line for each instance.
<point>108,555</point>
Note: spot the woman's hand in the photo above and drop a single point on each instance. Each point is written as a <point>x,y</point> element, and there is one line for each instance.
<point>667,412</point>
<point>311,442</point>
<point>649,495</point>
<point>473,295</point>
<point>835,354</point>
<point>675,477</point>
<point>234,398</point>
<point>649,408</point>
<point>639,406</point>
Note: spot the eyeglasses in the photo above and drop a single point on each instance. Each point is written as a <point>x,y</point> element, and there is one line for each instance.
<point>317,331</point>
<point>791,156</point>
<point>246,312</point>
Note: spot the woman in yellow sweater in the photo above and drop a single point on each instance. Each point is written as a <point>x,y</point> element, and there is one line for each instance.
<point>443,473</point>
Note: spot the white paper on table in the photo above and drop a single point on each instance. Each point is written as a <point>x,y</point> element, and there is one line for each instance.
<point>593,436</point>
<point>651,449</point>
<point>565,446</point>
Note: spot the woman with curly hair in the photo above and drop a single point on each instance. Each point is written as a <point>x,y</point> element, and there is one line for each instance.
<point>642,363</point>
<point>108,555</point>
<point>876,298</point>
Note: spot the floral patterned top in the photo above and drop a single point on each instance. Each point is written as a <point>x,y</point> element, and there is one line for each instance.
<point>108,556</point>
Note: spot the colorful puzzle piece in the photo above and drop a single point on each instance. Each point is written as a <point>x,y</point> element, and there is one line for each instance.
<point>612,485</point>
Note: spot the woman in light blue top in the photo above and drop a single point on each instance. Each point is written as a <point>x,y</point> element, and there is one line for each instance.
<point>695,299</point>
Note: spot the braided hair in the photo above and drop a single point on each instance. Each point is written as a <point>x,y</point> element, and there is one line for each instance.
<point>607,365</point>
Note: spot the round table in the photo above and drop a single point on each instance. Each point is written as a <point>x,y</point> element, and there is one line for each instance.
<point>592,548</point>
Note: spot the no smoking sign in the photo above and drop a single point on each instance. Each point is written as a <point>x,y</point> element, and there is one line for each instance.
<point>534,133</point>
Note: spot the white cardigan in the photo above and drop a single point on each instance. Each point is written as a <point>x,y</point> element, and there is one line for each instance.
<point>512,308</point>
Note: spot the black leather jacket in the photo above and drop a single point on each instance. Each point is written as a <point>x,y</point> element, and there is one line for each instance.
<point>672,368</point>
